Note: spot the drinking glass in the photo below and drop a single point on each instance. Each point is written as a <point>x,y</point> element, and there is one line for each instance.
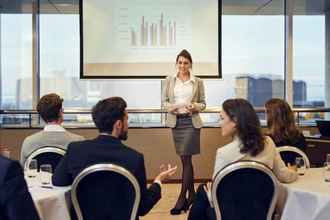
<point>301,166</point>
<point>328,159</point>
<point>326,171</point>
<point>45,173</point>
<point>32,169</point>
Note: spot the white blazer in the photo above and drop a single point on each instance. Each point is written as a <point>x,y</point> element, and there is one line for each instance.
<point>198,100</point>
<point>269,156</point>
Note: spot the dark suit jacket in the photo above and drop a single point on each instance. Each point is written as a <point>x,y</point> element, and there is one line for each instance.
<point>106,149</point>
<point>15,200</point>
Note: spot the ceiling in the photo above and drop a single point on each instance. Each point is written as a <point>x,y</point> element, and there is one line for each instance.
<point>274,7</point>
<point>229,7</point>
<point>46,6</point>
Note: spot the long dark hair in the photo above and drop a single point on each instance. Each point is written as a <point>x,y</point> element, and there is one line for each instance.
<point>280,121</point>
<point>247,124</point>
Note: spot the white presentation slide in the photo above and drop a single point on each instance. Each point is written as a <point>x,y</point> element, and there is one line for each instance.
<point>141,38</point>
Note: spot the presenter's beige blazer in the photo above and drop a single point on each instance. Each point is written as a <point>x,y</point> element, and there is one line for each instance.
<point>198,100</point>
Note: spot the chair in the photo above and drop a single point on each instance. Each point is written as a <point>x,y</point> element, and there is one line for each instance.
<point>104,191</point>
<point>244,190</point>
<point>46,155</point>
<point>289,154</point>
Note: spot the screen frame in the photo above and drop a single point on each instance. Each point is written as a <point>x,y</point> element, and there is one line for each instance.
<point>81,52</point>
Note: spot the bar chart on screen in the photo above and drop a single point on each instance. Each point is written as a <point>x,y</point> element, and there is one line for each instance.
<point>141,38</point>
<point>155,27</point>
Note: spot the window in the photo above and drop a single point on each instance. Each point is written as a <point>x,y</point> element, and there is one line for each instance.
<point>253,50</point>
<point>252,39</point>
<point>59,70</point>
<point>309,60</point>
<point>16,60</point>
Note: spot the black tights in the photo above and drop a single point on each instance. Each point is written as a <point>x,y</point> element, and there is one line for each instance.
<point>187,181</point>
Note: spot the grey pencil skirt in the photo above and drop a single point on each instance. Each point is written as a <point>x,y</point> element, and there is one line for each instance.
<point>186,138</point>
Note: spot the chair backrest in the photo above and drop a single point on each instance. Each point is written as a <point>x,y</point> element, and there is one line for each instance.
<point>104,191</point>
<point>244,190</point>
<point>46,155</point>
<point>289,154</point>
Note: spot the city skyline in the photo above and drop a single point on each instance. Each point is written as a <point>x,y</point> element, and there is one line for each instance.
<point>244,50</point>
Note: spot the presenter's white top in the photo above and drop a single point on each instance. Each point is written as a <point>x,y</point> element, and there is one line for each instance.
<point>54,128</point>
<point>183,93</point>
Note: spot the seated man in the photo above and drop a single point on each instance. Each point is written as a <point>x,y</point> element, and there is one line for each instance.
<point>15,199</point>
<point>111,119</point>
<point>50,109</point>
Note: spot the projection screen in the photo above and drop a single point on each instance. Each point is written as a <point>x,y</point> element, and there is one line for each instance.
<point>141,38</point>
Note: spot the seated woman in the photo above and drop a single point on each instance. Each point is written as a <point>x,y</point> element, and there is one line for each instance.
<point>282,127</point>
<point>240,121</point>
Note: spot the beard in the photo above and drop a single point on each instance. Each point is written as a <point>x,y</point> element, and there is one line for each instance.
<point>123,135</point>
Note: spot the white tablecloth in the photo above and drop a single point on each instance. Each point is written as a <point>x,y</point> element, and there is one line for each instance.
<point>51,204</point>
<point>308,198</point>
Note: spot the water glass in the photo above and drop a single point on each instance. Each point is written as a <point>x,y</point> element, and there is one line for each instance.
<point>326,172</point>
<point>301,166</point>
<point>45,173</point>
<point>328,159</point>
<point>32,169</point>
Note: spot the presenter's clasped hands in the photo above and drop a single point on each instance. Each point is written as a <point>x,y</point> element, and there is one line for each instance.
<point>190,108</point>
<point>173,110</point>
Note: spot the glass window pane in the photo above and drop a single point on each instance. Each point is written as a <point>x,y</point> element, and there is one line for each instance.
<point>59,69</point>
<point>309,60</point>
<point>253,50</point>
<point>15,57</point>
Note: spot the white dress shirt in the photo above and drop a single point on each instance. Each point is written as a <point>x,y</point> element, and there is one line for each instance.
<point>54,127</point>
<point>183,93</point>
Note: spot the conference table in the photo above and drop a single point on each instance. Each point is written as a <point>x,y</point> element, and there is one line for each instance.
<point>52,203</point>
<point>308,198</point>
